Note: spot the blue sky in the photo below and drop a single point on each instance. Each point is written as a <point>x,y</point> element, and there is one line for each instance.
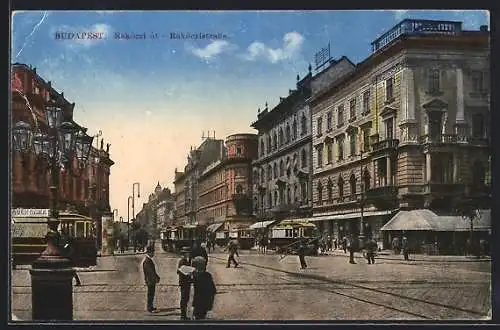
<point>153,98</point>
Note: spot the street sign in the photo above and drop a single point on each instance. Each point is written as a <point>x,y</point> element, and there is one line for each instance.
<point>29,213</point>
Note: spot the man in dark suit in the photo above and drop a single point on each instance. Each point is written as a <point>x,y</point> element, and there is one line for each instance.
<point>301,251</point>
<point>150,277</point>
<point>199,251</point>
<point>184,282</point>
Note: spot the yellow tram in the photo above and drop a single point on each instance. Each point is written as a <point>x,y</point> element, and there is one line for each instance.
<point>285,236</point>
<point>175,238</point>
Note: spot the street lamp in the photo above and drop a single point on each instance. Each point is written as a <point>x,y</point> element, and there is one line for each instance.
<point>130,198</point>
<point>133,202</point>
<point>52,273</point>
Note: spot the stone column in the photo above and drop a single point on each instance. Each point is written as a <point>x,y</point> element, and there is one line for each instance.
<point>428,167</point>
<point>456,167</point>
<point>389,172</point>
<point>460,95</point>
<point>410,90</point>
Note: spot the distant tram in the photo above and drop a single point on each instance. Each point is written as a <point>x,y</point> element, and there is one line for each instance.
<point>174,239</point>
<point>245,237</point>
<point>284,236</point>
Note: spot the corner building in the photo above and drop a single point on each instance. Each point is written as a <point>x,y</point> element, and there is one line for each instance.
<point>282,172</point>
<point>406,129</point>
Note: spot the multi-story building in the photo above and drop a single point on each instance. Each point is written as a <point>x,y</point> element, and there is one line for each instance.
<point>83,190</point>
<point>282,172</point>
<point>225,186</point>
<point>409,128</point>
<point>186,206</point>
<point>155,214</point>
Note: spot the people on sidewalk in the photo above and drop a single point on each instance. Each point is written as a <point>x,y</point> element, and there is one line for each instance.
<point>198,251</point>
<point>204,289</point>
<point>232,248</point>
<point>184,281</point>
<point>405,247</point>
<point>151,278</point>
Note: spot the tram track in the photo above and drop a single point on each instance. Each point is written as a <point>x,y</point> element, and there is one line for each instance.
<point>415,303</point>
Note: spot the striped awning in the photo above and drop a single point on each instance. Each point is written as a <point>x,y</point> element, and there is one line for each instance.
<point>214,227</point>
<point>261,224</point>
<point>354,215</point>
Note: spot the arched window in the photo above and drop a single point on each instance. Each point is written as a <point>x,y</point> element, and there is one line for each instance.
<point>275,141</point>
<point>239,189</point>
<point>281,141</point>
<point>352,184</point>
<point>340,183</point>
<point>304,158</point>
<point>262,148</point>
<point>303,125</point>
<point>282,168</point>
<point>320,192</point>
<point>275,170</point>
<point>294,129</point>
<point>287,134</point>
<point>303,190</point>
<point>366,180</point>
<point>329,189</point>
<point>269,173</point>
<point>262,175</point>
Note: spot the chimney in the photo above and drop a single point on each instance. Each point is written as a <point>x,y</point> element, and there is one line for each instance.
<point>483,28</point>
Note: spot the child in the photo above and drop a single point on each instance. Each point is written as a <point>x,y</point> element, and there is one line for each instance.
<point>204,289</point>
<point>184,281</point>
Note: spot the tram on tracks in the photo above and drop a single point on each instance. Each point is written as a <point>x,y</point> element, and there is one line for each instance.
<point>245,237</point>
<point>175,238</point>
<point>285,236</point>
<point>29,227</point>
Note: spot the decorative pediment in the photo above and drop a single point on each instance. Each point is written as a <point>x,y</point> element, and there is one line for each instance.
<point>388,111</point>
<point>435,104</point>
<point>351,129</point>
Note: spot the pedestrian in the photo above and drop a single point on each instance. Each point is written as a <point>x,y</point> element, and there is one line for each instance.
<point>351,246</point>
<point>404,244</point>
<point>371,247</point>
<point>335,243</point>
<point>198,251</point>
<point>301,251</point>
<point>329,243</point>
<point>204,289</point>
<point>344,244</point>
<point>184,281</point>
<point>151,278</point>
<point>468,247</point>
<point>263,244</point>
<point>232,248</point>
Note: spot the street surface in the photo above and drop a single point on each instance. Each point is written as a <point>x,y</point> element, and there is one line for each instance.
<point>268,287</point>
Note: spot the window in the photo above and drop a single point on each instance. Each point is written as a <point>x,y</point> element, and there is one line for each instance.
<point>389,89</point>
<point>275,170</point>
<point>303,191</point>
<point>288,196</point>
<point>352,183</point>
<point>320,192</point>
<point>340,115</point>
<point>389,128</point>
<point>329,121</point>
<point>275,198</point>
<point>294,129</point>
<point>329,189</point>
<point>303,125</point>
<point>435,124</point>
<point>352,109</point>
<point>477,126</point>
<point>303,158</point>
<point>341,148</point>
<point>269,173</point>
<point>352,141</point>
<point>295,194</point>
<point>287,134</point>
<point>366,102</point>
<point>282,168</point>
<point>320,155</point>
<point>366,180</point>
<point>433,80</point>
<point>477,81</point>
<point>340,183</point>
<point>239,189</point>
<point>275,141</point>
<point>366,140</point>
<point>329,152</point>
<point>270,200</point>
<point>320,126</point>
<point>281,141</point>
<point>442,168</point>
<point>269,144</point>
<point>262,148</point>
<point>238,151</point>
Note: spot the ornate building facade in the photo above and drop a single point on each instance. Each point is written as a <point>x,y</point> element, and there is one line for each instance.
<point>85,190</point>
<point>282,172</point>
<point>409,128</point>
<point>225,186</point>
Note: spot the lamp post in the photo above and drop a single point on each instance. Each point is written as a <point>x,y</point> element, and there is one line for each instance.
<point>52,273</point>
<point>115,214</point>
<point>133,200</point>
<point>128,218</point>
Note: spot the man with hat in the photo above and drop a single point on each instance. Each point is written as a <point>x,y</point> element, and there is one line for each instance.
<point>204,289</point>
<point>198,250</point>
<point>184,281</point>
<point>151,277</point>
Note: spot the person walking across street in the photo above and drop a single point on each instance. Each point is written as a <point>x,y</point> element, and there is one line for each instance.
<point>404,245</point>
<point>204,289</point>
<point>199,251</point>
<point>151,278</point>
<point>351,247</point>
<point>232,249</point>
<point>344,244</point>
<point>184,281</point>
<point>371,247</point>
<point>301,251</point>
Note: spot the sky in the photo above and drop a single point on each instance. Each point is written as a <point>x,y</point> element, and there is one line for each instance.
<point>154,98</point>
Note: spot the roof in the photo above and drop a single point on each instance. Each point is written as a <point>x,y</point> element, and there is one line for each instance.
<point>426,220</point>
<point>261,224</point>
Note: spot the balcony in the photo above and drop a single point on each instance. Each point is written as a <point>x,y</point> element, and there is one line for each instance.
<point>381,192</point>
<point>386,145</point>
<point>439,139</point>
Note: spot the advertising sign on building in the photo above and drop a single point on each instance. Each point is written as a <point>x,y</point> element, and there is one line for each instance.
<point>29,213</point>
<point>107,234</point>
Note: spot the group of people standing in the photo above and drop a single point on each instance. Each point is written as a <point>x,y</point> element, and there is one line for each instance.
<point>191,270</point>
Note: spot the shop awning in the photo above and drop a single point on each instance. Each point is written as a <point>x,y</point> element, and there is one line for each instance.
<point>347,216</point>
<point>426,220</point>
<point>214,227</point>
<point>261,224</point>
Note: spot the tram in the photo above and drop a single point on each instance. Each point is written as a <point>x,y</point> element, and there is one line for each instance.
<point>245,237</point>
<point>168,236</point>
<point>222,238</point>
<point>29,227</point>
<point>285,236</point>
<point>176,238</point>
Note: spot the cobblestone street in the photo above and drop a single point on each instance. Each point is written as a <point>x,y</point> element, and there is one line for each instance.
<point>268,287</point>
